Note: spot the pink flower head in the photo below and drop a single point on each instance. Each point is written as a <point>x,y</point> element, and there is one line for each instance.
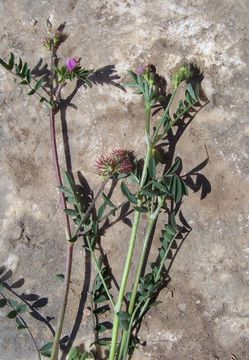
<point>72,63</point>
<point>141,70</point>
<point>117,162</point>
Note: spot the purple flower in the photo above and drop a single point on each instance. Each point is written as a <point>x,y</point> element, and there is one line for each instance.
<point>141,70</point>
<point>72,63</point>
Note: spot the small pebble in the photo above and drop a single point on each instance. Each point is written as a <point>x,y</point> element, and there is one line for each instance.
<point>87,312</point>
<point>34,22</point>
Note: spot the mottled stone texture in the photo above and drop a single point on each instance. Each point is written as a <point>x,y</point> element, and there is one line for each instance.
<point>203,313</point>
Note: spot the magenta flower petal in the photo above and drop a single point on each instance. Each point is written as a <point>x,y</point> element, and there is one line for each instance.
<point>71,64</point>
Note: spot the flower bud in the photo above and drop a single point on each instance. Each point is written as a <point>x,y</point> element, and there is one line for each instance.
<point>47,42</point>
<point>182,74</point>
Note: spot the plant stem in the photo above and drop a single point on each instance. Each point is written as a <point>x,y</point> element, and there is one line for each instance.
<point>132,242</point>
<point>125,345</point>
<point>25,324</point>
<point>54,354</point>
<point>152,221</point>
<point>119,302</point>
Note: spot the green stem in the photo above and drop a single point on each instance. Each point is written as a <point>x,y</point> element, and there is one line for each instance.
<point>123,283</point>
<point>132,242</point>
<point>152,221</point>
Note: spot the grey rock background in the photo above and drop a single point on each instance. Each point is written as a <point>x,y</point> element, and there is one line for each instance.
<point>204,311</point>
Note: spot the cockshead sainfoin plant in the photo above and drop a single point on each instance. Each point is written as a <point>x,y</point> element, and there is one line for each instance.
<point>158,190</point>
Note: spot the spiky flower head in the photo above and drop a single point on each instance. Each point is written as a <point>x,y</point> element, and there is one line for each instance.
<point>117,162</point>
<point>184,73</point>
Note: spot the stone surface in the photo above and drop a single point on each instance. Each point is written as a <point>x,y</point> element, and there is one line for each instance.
<point>203,313</point>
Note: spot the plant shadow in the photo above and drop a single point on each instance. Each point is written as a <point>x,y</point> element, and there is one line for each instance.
<point>33,302</point>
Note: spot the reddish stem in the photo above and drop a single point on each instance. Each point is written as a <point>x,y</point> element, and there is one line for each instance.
<point>54,354</point>
<point>57,169</point>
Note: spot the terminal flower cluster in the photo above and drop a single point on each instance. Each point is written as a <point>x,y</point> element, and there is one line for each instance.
<point>117,162</point>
